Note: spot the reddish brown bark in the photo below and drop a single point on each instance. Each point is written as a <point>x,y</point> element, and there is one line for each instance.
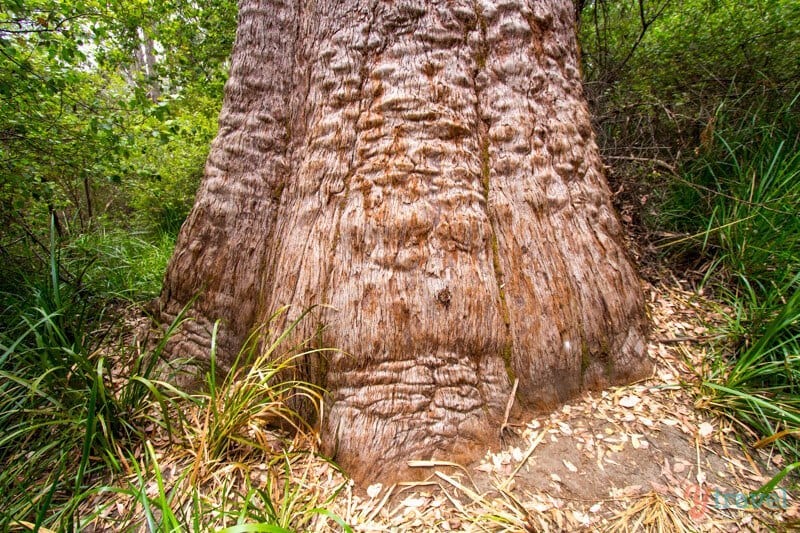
<point>427,170</point>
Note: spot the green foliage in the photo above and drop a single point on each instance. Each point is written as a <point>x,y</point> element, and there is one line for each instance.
<point>75,406</point>
<point>696,107</point>
<point>104,138</point>
<point>160,179</point>
<point>743,191</point>
<point>64,418</point>
<point>759,386</point>
<point>739,205</point>
<point>120,264</point>
<point>656,70</point>
<point>108,110</point>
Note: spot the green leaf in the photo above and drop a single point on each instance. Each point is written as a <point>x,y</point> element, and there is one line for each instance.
<point>255,528</point>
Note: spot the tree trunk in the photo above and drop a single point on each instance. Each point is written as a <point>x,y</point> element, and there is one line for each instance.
<point>427,170</point>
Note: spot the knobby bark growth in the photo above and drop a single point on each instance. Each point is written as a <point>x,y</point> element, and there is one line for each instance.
<point>427,170</point>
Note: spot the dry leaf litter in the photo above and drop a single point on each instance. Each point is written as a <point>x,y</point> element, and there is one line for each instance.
<point>642,457</point>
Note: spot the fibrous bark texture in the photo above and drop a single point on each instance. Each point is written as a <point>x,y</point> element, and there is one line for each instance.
<point>427,171</point>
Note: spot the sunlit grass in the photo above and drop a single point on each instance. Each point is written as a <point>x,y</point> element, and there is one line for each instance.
<point>120,264</point>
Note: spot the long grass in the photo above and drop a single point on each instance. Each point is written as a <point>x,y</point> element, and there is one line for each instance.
<point>120,264</point>
<point>257,392</point>
<point>69,436</point>
<point>78,407</point>
<point>245,460</point>
<point>66,416</point>
<point>741,216</point>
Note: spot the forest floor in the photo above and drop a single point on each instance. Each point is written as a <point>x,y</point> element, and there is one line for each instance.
<point>650,456</point>
<point>646,456</point>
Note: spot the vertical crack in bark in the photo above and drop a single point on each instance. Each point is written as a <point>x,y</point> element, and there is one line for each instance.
<point>481,52</point>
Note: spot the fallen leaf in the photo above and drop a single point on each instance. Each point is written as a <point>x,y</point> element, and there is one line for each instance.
<point>582,518</point>
<point>517,455</point>
<point>412,502</point>
<point>705,429</point>
<point>666,377</point>
<point>629,401</point>
<point>565,429</point>
<point>485,467</point>
<point>374,490</point>
<point>571,467</point>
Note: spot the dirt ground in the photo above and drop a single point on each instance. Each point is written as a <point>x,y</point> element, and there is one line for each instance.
<point>642,457</point>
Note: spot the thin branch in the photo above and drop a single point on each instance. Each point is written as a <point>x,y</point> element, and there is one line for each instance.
<point>42,29</point>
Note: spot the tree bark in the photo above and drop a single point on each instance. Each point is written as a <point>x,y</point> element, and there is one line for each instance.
<point>427,171</point>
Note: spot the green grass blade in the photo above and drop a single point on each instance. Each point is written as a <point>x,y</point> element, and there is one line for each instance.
<point>333,516</point>
<point>255,528</point>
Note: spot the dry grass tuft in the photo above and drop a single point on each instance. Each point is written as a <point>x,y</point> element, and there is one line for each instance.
<point>651,513</point>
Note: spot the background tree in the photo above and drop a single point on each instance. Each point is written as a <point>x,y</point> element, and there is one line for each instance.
<point>428,173</point>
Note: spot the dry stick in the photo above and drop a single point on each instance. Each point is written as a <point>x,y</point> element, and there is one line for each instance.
<point>514,504</point>
<point>697,338</point>
<point>729,460</point>
<point>530,451</point>
<point>33,527</point>
<point>421,463</point>
<point>433,463</point>
<point>380,506</point>
<point>467,491</point>
<point>349,500</point>
<point>510,404</point>
<point>753,465</point>
<point>700,474</point>
<point>454,501</point>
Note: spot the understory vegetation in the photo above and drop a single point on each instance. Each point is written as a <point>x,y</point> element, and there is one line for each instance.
<point>107,113</point>
<point>697,109</point>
